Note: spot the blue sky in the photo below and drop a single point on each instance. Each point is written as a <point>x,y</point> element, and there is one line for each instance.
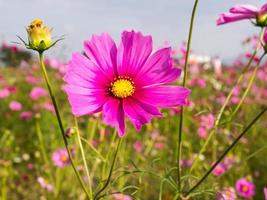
<point>163,19</point>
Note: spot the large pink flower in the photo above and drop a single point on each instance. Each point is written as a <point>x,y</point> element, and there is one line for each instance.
<point>241,12</point>
<point>126,81</point>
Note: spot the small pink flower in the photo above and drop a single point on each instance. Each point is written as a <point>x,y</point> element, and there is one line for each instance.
<point>228,193</point>
<point>138,146</point>
<point>265,193</point>
<point>219,170</point>
<point>26,115</point>
<point>60,158</point>
<point>121,197</point>
<point>207,121</point>
<point>245,188</point>
<point>4,93</point>
<point>202,132</point>
<point>37,92</point>
<point>44,184</point>
<point>15,106</point>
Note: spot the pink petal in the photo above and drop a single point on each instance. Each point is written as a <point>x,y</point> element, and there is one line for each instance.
<point>263,8</point>
<point>139,113</point>
<point>163,96</point>
<point>83,72</point>
<point>245,9</point>
<point>158,69</point>
<point>102,51</point>
<point>113,114</point>
<point>231,17</point>
<point>133,52</point>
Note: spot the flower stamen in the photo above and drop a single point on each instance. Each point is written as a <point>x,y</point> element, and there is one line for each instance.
<point>122,87</point>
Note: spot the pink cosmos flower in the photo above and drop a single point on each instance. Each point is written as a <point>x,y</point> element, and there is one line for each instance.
<point>44,184</point>
<point>60,158</point>
<point>37,92</point>
<point>124,81</point>
<point>4,93</point>
<point>245,188</point>
<point>241,12</point>
<point>265,193</point>
<point>121,197</point>
<point>202,132</point>
<point>138,146</point>
<point>228,193</point>
<point>15,106</point>
<point>219,170</point>
<point>26,115</point>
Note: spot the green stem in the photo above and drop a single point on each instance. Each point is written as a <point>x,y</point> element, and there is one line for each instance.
<point>48,84</point>
<point>219,116</point>
<point>179,144</point>
<point>110,172</point>
<point>251,81</point>
<point>42,148</point>
<point>83,157</point>
<point>227,151</point>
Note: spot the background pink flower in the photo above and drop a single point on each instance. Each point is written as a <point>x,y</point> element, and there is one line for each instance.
<point>37,92</point>
<point>245,188</point>
<point>60,158</point>
<point>15,106</point>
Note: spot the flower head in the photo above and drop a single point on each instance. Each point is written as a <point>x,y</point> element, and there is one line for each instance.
<point>245,188</point>
<point>265,193</point>
<point>39,36</point>
<point>124,81</point>
<point>15,106</point>
<point>228,193</point>
<point>37,92</point>
<point>60,158</point>
<point>241,12</point>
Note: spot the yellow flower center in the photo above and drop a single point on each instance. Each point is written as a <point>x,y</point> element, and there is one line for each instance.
<point>244,188</point>
<point>122,87</point>
<point>64,158</point>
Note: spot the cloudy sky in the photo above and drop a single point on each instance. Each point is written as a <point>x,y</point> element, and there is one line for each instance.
<point>163,19</point>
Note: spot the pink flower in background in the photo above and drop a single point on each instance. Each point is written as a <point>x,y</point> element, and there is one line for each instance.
<point>265,193</point>
<point>12,89</point>
<point>44,184</point>
<point>127,81</point>
<point>60,158</point>
<point>228,193</point>
<point>4,93</point>
<point>26,115</point>
<point>241,12</point>
<point>37,92</point>
<point>31,79</point>
<point>15,106</point>
<point>138,146</point>
<point>207,121</point>
<point>202,132</point>
<point>219,170</point>
<point>245,188</point>
<point>121,197</point>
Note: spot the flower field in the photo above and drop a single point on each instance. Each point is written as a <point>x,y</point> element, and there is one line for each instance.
<point>132,121</point>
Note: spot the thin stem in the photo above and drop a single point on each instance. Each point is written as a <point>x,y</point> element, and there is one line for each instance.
<point>83,157</point>
<point>42,148</point>
<point>110,172</point>
<point>251,81</point>
<point>227,151</point>
<point>48,84</point>
<point>237,82</point>
<point>179,144</point>
<point>219,116</point>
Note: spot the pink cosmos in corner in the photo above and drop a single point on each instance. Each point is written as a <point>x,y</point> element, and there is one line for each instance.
<point>60,158</point>
<point>241,12</point>
<point>245,188</point>
<point>124,81</point>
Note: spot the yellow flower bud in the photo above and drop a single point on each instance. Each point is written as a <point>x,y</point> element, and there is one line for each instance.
<point>262,19</point>
<point>39,36</point>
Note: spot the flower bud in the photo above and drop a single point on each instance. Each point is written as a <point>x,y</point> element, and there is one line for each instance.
<point>261,20</point>
<point>39,36</point>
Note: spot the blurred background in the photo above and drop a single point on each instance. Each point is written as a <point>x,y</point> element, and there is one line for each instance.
<point>165,20</point>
